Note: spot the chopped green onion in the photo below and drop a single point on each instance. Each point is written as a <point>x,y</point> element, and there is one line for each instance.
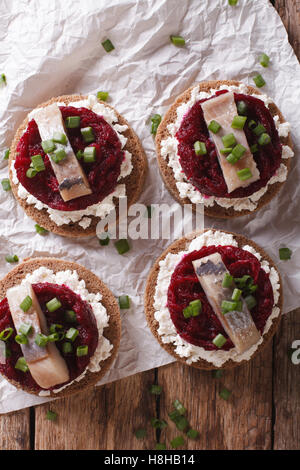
<point>254,148</point>
<point>31,173</point>
<point>232,3</point>
<point>21,339</point>
<point>232,159</point>
<point>155,389</point>
<point>72,334</point>
<point>259,129</point>
<point>200,148</point>
<point>158,423</point>
<point>54,327</point>
<point>6,184</point>
<point>26,304</point>
<point>122,246</point>
<point>60,138</point>
<point>48,146</point>
<point>250,301</point>
<point>226,151</point>
<point>104,241</point>
<point>228,306</point>
<point>79,154</point>
<point>160,446</point>
<point>181,423</point>
<point>229,140</point>
<point>243,281</point>
<point>82,350</point>
<point>217,374</point>
<point>214,126</point>
<point>192,434</point>
<point>238,151</point>
<point>40,230</point>
<point>72,122</point>
<point>244,174</point>
<point>225,394</point>
<point>252,124</point>
<point>219,340</point>
<point>236,294</point>
<point>177,40</point>
<point>187,312</point>
<point>6,154</point>
<point>285,254</point>
<point>156,119</point>
<point>196,306</point>
<point>41,340</point>
<point>179,407</point>
<point>124,302</point>
<point>264,139</point>
<point>11,258</point>
<point>25,329</point>
<point>2,80</point>
<point>67,348</point>
<point>51,415</point>
<point>174,415</point>
<point>70,316</point>
<point>6,351</point>
<point>253,288</point>
<point>140,433</point>
<point>177,442</point>
<point>264,60</point>
<point>242,108</point>
<point>6,334</point>
<point>259,81</point>
<point>238,122</point>
<point>102,95</point>
<point>87,134</point>
<point>227,280</point>
<point>21,364</point>
<point>89,154</point>
<point>53,304</point>
<point>53,337</point>
<point>108,45</point>
<point>38,162</point>
<point>58,155</point>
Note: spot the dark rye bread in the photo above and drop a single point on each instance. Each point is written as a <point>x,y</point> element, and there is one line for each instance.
<point>134,182</point>
<point>93,285</point>
<point>181,245</point>
<point>167,172</point>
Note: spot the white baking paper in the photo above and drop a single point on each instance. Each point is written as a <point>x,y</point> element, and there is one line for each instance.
<point>54,48</point>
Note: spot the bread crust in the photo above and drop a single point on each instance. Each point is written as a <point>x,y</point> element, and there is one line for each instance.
<point>181,245</point>
<point>93,285</point>
<point>133,182</point>
<point>167,172</point>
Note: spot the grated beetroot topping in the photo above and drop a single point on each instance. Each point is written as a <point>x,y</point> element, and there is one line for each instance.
<point>185,287</point>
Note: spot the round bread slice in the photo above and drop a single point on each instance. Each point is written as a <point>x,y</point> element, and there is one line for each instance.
<point>167,172</point>
<point>93,285</point>
<point>133,182</point>
<point>181,245</point>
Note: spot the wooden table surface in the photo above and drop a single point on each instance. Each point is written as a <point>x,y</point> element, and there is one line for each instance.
<point>262,413</point>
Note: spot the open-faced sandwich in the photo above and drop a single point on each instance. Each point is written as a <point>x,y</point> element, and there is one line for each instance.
<point>225,145</point>
<point>59,327</point>
<point>213,300</point>
<point>71,160</point>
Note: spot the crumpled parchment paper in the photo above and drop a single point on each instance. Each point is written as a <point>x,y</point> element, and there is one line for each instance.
<point>52,48</point>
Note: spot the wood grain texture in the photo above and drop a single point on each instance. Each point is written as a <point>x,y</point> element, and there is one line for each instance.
<point>289,11</point>
<point>15,430</point>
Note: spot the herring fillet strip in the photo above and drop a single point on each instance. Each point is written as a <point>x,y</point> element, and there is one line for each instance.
<point>239,326</point>
<point>223,109</point>
<point>71,178</point>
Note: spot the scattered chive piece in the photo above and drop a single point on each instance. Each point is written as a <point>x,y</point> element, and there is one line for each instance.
<point>200,148</point>
<point>25,329</point>
<point>232,3</point>
<point>228,306</point>
<point>225,394</point>
<point>227,280</point>
<point>53,305</point>
<point>254,148</point>
<point>2,80</point>
<point>214,126</point>
<point>87,134</point>
<point>51,415</point>
<point>122,246</point>
<point>239,306</point>
<point>238,122</point>
<point>232,159</point>
<point>48,146</point>
<point>41,340</point>
<point>219,340</point>
<point>156,119</point>
<point>21,364</point>
<point>6,333</point>
<point>250,301</point>
<point>58,155</point>
<point>264,139</point>
<point>236,294</point>
<point>53,337</point>
<point>259,81</point>
<point>67,348</point>
<point>54,327</point>
<point>259,129</point>
<point>124,302</point>
<point>102,95</point>
<point>6,154</point>
<point>38,162</point>
<point>244,174</point>
<point>238,151</point>
<point>285,253</point>
<point>217,374</point>
<point>70,316</point>
<point>21,339</point>
<point>174,415</point>
<point>252,124</point>
<point>192,434</point>
<point>178,41</point>
<point>179,407</point>
<point>187,312</point>
<point>196,306</point>
<point>72,122</point>
<point>160,446</point>
<point>264,60</point>
<point>82,350</point>
<point>177,442</point>
<point>104,241</point>
<point>226,151</point>
<point>60,138</point>
<point>31,173</point>
<point>229,140</point>
<point>40,230</point>
<point>11,258</point>
<point>72,334</point>
<point>140,433</point>
<point>79,154</point>
<point>89,154</point>
<point>158,423</point>
<point>6,184</point>
<point>155,389</point>
<point>108,45</point>
<point>242,108</point>
<point>26,304</point>
<point>181,423</point>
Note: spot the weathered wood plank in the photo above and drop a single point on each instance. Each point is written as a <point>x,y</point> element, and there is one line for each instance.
<point>15,430</point>
<point>286,385</point>
<point>103,418</point>
<point>242,422</point>
<point>289,11</point>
